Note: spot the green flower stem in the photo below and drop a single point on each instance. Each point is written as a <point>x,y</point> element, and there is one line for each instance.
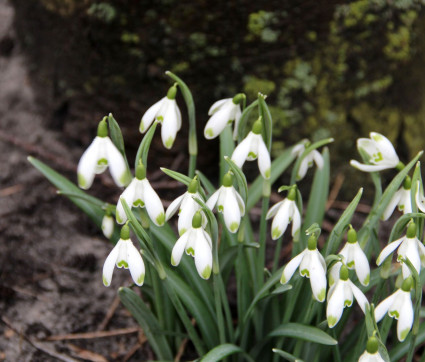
<point>277,253</point>
<point>218,309</point>
<point>193,143</point>
<point>262,238</point>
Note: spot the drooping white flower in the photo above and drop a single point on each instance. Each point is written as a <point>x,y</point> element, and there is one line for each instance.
<point>141,194</point>
<point>168,114</point>
<point>197,243</point>
<point>311,265</point>
<point>341,295</point>
<point>98,156</point>
<point>354,257</point>
<point>124,254</point>
<point>187,207</point>
<point>228,202</point>
<point>222,113</point>
<point>419,197</point>
<point>283,213</point>
<point>371,354</point>
<point>399,306</point>
<point>251,148</point>
<point>307,162</point>
<point>409,247</point>
<point>402,199</point>
<point>108,225</point>
<point>380,151</point>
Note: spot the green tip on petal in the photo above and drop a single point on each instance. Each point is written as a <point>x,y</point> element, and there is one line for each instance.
<point>394,314</point>
<point>193,186</point>
<point>404,334</point>
<point>172,92</point>
<point>82,181</point>
<point>234,226</point>
<point>372,345</point>
<point>209,132</point>
<point>257,127</point>
<point>275,233</point>
<point>267,174</point>
<point>140,279</point>
<point>343,273</point>
<point>206,272</point>
<point>160,219</point>
<point>411,230</point>
<point>228,180</point>
<point>197,220</point>
<point>140,171</point>
<point>102,128</point>
<point>305,273</point>
<point>173,262</point>
<point>321,296</point>
<point>105,281</point>
<point>122,263</point>
<point>312,242</point>
<point>283,279</point>
<point>125,232</point>
<point>352,235</point>
<point>169,142</point>
<point>332,321</point>
<point>182,231</point>
<point>407,284</point>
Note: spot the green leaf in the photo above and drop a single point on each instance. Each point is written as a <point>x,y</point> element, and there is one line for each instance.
<point>148,322</point>
<point>244,118</point>
<point>116,134</point>
<point>142,152</point>
<point>89,204</point>
<point>279,165</point>
<point>182,178</point>
<point>222,351</point>
<point>306,333</point>
<point>344,220</point>
<point>287,356</point>
<point>400,225</point>
<point>240,178</point>
<point>227,146</point>
<point>205,182</point>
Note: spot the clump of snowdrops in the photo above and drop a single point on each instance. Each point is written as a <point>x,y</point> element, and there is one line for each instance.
<point>183,257</point>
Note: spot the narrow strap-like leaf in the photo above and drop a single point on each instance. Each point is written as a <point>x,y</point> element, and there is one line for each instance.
<point>307,333</point>
<point>224,350</point>
<point>142,152</point>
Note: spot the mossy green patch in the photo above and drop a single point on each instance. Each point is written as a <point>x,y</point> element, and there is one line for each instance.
<point>102,162</point>
<point>122,263</point>
<point>305,273</point>
<point>138,203</point>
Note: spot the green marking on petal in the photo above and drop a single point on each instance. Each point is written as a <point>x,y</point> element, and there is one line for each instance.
<point>267,173</point>
<point>252,154</point>
<point>209,132</point>
<point>140,279</point>
<point>122,263</point>
<point>332,321</point>
<point>348,303</point>
<point>125,178</point>
<point>321,296</point>
<point>173,262</point>
<point>190,251</point>
<point>351,264</point>
<point>401,207</point>
<point>160,118</point>
<point>105,282</point>
<point>142,127</point>
<point>377,137</point>
<point>404,334</point>
<point>138,203</point>
<point>275,233</point>
<point>220,208</point>
<point>169,142</point>
<point>82,181</point>
<point>377,157</point>
<point>234,226</point>
<point>182,231</point>
<point>305,272</point>
<point>394,314</point>
<point>366,280</point>
<point>160,219</point>
<point>206,272</point>
<point>102,162</point>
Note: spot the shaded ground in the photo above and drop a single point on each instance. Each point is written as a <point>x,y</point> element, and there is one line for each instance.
<point>50,255</point>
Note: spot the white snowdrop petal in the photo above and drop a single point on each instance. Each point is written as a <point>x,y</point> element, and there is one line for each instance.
<point>128,196</point>
<point>241,152</point>
<point>296,221</point>
<point>117,165</point>
<point>240,203</point>
<point>385,147</point>
<point>273,210</point>
<point>187,212</point>
<point>264,163</point>
<point>318,159</point>
<point>238,115</point>
<point>317,279</point>
<point>170,125</point>
<point>302,170</point>
<point>231,212</point>
<point>109,265</point>
<point>298,149</point>
<point>203,255</point>
<point>217,122</point>
<point>179,248</point>
<point>87,165</point>
<point>290,268</point>
<point>334,273</point>
<point>281,220</point>
<point>419,196</point>
<point>391,205</point>
<point>405,321</point>
<point>213,199</point>
<point>368,168</point>
<point>218,104</point>
<point>382,308</point>
<point>107,226</point>
<point>335,304</point>
<point>174,207</point>
<point>361,265</point>
<point>153,204</point>
<point>135,264</point>
<point>388,250</point>
<point>360,297</point>
<point>149,115</point>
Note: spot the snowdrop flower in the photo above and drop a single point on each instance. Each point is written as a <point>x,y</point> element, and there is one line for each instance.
<point>222,113</point>
<point>409,247</point>
<point>141,194</point>
<point>195,242</point>
<point>399,306</point>
<point>229,202</point>
<point>187,207</point>
<point>371,354</point>
<point>166,112</point>
<point>311,265</point>
<point>283,213</point>
<point>401,198</point>
<point>253,147</point>
<point>354,257</point>
<point>341,295</point>
<point>108,225</point>
<point>98,156</point>
<point>419,197</point>
<point>307,162</point>
<point>124,254</point>
<point>380,151</point>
